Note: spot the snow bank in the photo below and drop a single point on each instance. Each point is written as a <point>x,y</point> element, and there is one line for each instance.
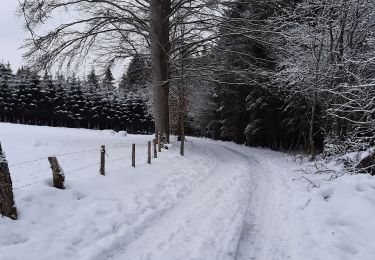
<point>288,219</point>
<point>335,221</point>
<point>220,201</point>
<point>100,217</point>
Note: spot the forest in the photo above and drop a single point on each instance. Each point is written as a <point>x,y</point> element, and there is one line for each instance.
<point>293,75</point>
<point>298,75</point>
<point>251,129</point>
<point>94,103</point>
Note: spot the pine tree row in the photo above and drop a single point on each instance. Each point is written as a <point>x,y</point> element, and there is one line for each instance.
<point>27,98</point>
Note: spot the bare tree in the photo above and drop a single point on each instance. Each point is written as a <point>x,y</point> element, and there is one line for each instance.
<point>105,32</point>
<point>324,48</point>
<point>160,49</point>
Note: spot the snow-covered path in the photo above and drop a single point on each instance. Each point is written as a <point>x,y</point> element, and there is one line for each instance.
<point>221,201</point>
<point>214,203</point>
<point>238,212</point>
<point>266,233</point>
<point>206,224</point>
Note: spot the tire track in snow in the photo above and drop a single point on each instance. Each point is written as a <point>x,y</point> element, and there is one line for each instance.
<point>206,224</point>
<point>265,231</point>
<point>154,203</point>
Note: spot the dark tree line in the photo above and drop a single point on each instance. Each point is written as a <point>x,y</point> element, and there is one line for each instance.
<point>250,107</point>
<point>242,101</point>
<point>28,98</point>
<point>289,75</point>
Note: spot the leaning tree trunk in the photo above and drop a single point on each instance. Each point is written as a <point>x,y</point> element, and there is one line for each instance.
<point>159,19</point>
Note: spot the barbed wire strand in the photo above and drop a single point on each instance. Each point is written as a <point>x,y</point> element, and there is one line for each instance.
<point>65,154</point>
<point>67,173</point>
<point>30,184</point>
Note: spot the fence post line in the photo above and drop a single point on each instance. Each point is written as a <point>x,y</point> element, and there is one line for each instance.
<point>133,155</point>
<point>149,152</point>
<point>159,142</point>
<point>7,205</point>
<point>102,160</point>
<point>57,173</point>
<point>155,149</point>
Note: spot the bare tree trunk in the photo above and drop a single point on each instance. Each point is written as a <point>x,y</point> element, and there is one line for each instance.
<point>160,48</point>
<point>179,124</point>
<point>182,147</point>
<point>312,129</point>
<point>182,98</point>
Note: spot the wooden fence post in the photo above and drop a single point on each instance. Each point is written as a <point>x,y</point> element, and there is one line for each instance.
<point>182,146</point>
<point>155,149</point>
<point>102,160</point>
<point>159,142</point>
<point>133,155</point>
<point>149,152</point>
<point>7,206</point>
<point>57,173</point>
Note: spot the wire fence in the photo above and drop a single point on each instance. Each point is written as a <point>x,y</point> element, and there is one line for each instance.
<point>64,154</point>
<point>69,172</point>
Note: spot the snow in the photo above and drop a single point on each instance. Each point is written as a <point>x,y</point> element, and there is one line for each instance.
<point>220,201</point>
<point>98,215</point>
<point>337,220</point>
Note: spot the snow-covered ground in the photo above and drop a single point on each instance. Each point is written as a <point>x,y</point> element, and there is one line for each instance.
<point>220,201</point>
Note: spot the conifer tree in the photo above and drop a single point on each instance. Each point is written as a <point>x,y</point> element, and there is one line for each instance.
<point>137,75</point>
<point>108,81</point>
<point>93,81</point>
<point>6,104</point>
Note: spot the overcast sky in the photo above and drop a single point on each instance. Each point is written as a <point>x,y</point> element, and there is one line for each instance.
<point>11,34</point>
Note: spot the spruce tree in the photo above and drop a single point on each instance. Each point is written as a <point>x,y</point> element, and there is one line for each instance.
<point>137,75</point>
<point>108,81</point>
<point>6,104</point>
<point>93,81</point>
<point>47,106</point>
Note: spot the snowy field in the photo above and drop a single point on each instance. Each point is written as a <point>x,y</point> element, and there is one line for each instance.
<point>220,201</point>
